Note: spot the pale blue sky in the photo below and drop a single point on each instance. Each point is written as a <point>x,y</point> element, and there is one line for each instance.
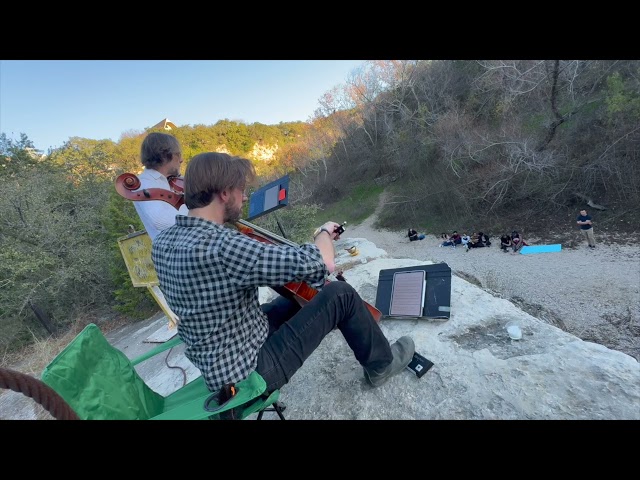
<point>53,100</point>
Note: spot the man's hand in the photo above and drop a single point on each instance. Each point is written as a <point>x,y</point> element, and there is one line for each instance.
<point>331,227</point>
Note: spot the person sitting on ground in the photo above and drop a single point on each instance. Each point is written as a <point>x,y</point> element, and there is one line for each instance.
<point>414,235</point>
<point>464,240</point>
<point>484,238</point>
<point>444,236</point>
<point>505,242</point>
<point>476,241</point>
<point>456,238</point>
<point>210,275</point>
<point>453,240</point>
<point>517,241</point>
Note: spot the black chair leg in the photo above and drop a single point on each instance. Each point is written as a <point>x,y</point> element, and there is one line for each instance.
<point>277,407</point>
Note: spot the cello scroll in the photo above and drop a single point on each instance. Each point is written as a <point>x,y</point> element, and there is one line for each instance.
<point>128,182</point>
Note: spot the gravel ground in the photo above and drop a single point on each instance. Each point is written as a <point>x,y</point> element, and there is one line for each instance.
<point>593,294</point>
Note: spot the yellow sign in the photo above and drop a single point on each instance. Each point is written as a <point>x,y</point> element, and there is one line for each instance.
<point>136,251</point>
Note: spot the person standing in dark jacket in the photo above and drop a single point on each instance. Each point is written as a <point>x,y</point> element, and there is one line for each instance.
<point>586,226</point>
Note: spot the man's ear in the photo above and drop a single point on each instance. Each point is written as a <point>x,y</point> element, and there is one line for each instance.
<point>225,195</point>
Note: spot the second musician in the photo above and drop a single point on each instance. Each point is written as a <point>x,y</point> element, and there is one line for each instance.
<point>161,156</point>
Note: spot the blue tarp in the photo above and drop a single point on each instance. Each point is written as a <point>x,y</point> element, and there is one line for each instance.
<point>529,249</point>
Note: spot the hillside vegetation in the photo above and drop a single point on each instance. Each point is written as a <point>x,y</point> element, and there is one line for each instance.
<point>466,145</point>
<point>491,145</point>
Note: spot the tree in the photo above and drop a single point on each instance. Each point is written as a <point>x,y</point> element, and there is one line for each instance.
<point>16,156</point>
<point>54,247</point>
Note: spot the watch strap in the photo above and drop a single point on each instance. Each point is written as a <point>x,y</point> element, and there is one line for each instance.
<point>319,231</point>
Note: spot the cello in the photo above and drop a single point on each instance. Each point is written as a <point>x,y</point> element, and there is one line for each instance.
<point>128,186</point>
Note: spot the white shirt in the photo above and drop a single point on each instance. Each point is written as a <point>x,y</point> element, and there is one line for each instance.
<point>156,215</point>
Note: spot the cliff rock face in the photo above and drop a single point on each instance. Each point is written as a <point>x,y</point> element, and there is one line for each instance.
<point>479,372</point>
<point>263,153</point>
<point>223,149</point>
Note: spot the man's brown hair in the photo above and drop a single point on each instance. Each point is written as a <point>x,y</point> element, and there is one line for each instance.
<point>210,173</point>
<point>158,148</point>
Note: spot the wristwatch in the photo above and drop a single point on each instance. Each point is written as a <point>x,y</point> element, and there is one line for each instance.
<point>319,230</point>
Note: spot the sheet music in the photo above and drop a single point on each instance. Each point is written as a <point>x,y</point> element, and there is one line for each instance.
<point>407,294</point>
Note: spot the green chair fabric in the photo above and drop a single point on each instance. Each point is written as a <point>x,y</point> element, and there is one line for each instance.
<point>100,383</point>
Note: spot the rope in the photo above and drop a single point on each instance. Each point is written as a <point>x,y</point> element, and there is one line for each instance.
<point>42,393</point>
<point>184,373</point>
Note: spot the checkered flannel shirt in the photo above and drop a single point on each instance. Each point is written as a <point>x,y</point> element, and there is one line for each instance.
<point>210,276</point>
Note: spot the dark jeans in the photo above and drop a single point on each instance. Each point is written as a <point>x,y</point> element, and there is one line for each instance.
<point>294,332</point>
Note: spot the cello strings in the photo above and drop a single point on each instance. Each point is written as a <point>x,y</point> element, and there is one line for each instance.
<point>267,234</point>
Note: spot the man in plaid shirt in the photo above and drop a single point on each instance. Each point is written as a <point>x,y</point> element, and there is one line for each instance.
<point>210,276</point>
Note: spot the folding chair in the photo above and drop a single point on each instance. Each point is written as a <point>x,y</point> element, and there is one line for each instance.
<point>99,382</point>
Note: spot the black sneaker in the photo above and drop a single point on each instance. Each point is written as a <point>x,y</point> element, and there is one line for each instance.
<point>403,350</point>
